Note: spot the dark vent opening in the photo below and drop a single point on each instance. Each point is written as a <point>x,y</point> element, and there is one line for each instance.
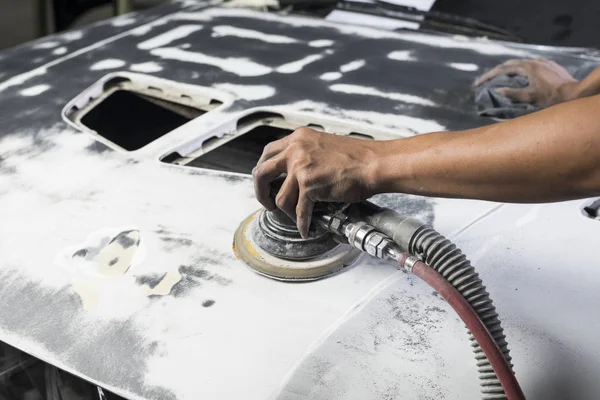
<point>171,158</point>
<point>132,120</point>
<point>242,153</point>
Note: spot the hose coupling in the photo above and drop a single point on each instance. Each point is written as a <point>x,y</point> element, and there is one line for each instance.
<point>407,262</point>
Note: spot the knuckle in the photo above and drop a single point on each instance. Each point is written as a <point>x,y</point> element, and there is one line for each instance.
<point>301,133</point>
<point>256,172</point>
<point>268,148</point>
<point>303,179</point>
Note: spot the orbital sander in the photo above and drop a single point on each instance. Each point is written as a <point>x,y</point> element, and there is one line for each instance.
<point>271,245</point>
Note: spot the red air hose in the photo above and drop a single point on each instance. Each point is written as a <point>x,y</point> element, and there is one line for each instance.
<point>471,319</point>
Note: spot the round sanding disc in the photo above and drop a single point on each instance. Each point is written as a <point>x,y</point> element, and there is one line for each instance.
<point>323,265</point>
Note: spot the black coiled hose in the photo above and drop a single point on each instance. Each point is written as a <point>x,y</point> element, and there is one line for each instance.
<point>449,261</point>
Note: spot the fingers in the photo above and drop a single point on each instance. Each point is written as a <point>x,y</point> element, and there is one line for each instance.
<point>304,211</point>
<point>263,174</point>
<point>272,149</point>
<point>287,198</point>
<point>509,67</point>
<point>519,95</point>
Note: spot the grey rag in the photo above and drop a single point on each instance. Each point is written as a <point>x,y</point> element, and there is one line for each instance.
<point>492,104</point>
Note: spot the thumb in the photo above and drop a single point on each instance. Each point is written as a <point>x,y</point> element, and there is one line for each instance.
<point>519,95</point>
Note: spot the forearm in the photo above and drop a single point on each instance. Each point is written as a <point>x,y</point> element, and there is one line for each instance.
<point>550,155</point>
<point>590,86</point>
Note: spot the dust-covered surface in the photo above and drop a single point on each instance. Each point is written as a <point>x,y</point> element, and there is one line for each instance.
<point>119,268</point>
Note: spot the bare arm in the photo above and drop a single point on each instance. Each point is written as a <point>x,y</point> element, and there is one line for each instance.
<point>551,155</point>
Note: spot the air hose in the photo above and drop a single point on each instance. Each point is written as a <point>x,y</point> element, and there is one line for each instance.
<point>502,369</point>
<point>450,263</point>
<point>418,248</point>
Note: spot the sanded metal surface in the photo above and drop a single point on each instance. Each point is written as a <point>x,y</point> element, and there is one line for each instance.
<point>119,268</point>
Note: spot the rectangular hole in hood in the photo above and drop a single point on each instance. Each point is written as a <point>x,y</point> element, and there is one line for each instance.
<point>131,113</point>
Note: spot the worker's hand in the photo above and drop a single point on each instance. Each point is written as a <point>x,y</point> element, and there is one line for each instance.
<point>549,83</point>
<point>319,167</point>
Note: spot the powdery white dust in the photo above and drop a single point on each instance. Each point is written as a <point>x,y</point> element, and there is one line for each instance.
<point>110,63</point>
<point>321,43</point>
<point>226,30</point>
<point>296,66</point>
<point>147,67</point>
<point>238,66</point>
<point>331,76</point>
<point>169,37</point>
<point>34,90</point>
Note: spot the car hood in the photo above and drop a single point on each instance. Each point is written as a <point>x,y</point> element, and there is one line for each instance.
<point>71,204</point>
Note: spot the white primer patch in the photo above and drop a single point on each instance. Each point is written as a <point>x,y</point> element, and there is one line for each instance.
<point>46,45</point>
<point>34,90</point>
<point>209,14</point>
<point>248,92</point>
<point>22,78</point>
<point>405,125</point>
<point>401,55</point>
<point>147,67</point>
<point>226,30</point>
<point>352,66</point>
<point>238,66</point>
<point>123,21</point>
<point>321,43</point>
<point>464,66</point>
<point>60,51</point>
<point>481,46</point>
<point>369,91</point>
<point>142,30</point>
<point>71,36</point>
<point>331,76</point>
<point>110,63</point>
<point>168,37</point>
<point>296,66</point>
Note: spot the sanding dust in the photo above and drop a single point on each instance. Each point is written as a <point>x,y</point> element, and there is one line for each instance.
<point>166,284</point>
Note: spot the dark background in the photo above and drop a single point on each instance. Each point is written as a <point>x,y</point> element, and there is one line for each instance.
<point>551,22</point>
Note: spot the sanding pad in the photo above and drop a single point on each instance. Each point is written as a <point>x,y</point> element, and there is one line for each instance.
<point>245,245</point>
